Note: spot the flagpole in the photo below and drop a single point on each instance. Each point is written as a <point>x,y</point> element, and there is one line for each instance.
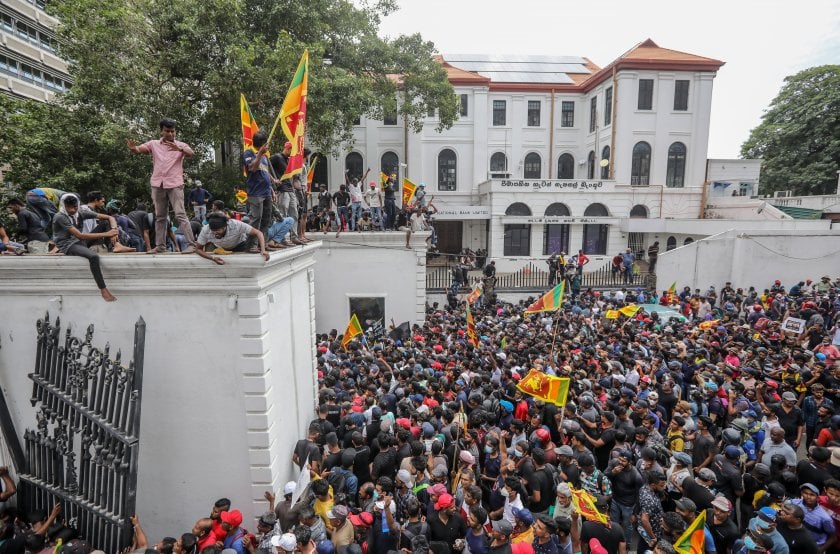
<point>274,127</point>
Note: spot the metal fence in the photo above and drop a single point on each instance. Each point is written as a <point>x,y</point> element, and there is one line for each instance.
<point>83,454</point>
<point>532,277</point>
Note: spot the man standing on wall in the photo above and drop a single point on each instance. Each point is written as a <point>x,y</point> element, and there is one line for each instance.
<point>167,181</point>
<point>653,254</point>
<point>200,197</point>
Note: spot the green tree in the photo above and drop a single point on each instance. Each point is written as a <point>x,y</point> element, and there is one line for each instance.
<point>799,135</point>
<point>135,62</point>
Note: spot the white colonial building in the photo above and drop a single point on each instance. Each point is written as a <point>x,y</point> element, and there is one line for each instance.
<point>553,153</point>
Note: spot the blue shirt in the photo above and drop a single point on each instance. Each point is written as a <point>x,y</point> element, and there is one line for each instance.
<point>258,182</point>
<point>818,522</point>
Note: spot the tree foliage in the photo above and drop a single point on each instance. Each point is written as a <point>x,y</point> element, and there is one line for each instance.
<point>135,61</point>
<point>799,135</point>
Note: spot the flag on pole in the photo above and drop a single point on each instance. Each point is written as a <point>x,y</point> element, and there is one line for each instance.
<point>383,179</point>
<point>504,342</point>
<point>612,314</point>
<point>672,293</point>
<point>630,310</point>
<point>408,192</point>
<point>693,540</point>
<point>474,295</point>
<point>550,301</point>
<point>472,336</point>
<point>585,505</point>
<point>292,116</point>
<point>354,329</point>
<point>249,125</point>
<point>547,388</point>
<point>706,325</point>
<point>310,175</point>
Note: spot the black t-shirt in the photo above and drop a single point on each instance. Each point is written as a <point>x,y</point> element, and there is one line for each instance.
<point>278,164</point>
<point>703,446</point>
<point>542,481</point>
<point>332,460</point>
<point>602,453</point>
<point>799,540</point>
<point>448,532</point>
<point>30,225</point>
<point>361,464</point>
<point>626,485</point>
<point>724,534</point>
<point>701,496</point>
<point>342,198</point>
<point>789,421</point>
<point>729,480</point>
<point>385,464</point>
<point>306,448</point>
<point>809,472</point>
<point>610,538</point>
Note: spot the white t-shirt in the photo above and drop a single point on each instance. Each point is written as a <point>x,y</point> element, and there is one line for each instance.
<point>237,232</point>
<point>417,222</point>
<point>372,198</point>
<point>355,192</point>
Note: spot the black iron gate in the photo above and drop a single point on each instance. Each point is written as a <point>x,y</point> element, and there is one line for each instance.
<point>83,454</point>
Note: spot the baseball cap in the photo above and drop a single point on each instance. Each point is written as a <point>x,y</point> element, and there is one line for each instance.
<point>404,476</point>
<point>564,450</point>
<point>364,519</point>
<point>811,487</point>
<point>232,518</point>
<point>338,512</point>
<point>438,489</point>
<point>524,515</point>
<point>686,504</point>
<point>758,525</point>
<point>732,451</point>
<point>682,458</point>
<point>507,405</point>
<point>268,519</point>
<point>787,395</point>
<point>768,514</point>
<point>286,542</point>
<point>707,474</point>
<point>289,488</point>
<point>445,501</point>
<point>503,526</point>
<point>722,503</point>
<point>595,547</point>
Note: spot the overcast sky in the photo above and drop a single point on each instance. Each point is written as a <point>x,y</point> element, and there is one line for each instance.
<point>761,41</point>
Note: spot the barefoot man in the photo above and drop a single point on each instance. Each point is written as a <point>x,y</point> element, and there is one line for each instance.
<point>167,181</point>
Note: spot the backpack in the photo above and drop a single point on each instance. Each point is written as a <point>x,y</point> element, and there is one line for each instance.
<point>338,481</point>
<point>663,455</point>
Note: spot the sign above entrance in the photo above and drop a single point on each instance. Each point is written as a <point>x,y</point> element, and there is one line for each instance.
<point>445,212</point>
<point>552,220</point>
<point>551,185</point>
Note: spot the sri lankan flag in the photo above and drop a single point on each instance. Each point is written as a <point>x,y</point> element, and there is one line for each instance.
<point>354,329</point>
<point>550,301</point>
<point>310,175</point>
<point>474,295</point>
<point>383,180</point>
<point>693,541</point>
<point>408,192</point>
<point>612,314</point>
<point>249,125</point>
<point>585,505</point>
<point>706,325</point>
<point>547,388</point>
<point>630,310</point>
<point>293,116</point>
<point>472,336</point>
<point>672,293</point>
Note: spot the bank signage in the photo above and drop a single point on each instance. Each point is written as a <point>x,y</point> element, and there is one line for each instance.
<point>552,185</point>
<point>552,220</point>
<point>462,212</point>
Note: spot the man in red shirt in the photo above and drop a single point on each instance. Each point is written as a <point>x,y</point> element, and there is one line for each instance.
<point>831,503</point>
<point>167,181</point>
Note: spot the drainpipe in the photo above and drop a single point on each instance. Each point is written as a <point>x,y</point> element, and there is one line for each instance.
<point>551,140</point>
<point>614,121</point>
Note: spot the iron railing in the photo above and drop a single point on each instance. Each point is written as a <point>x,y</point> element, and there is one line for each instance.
<point>83,454</point>
<point>532,277</point>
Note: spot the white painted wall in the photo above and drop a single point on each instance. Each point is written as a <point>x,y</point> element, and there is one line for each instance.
<point>228,379</point>
<point>751,258</point>
<point>375,264</point>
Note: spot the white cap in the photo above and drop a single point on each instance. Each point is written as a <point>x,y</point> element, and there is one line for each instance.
<point>289,488</point>
<point>286,542</point>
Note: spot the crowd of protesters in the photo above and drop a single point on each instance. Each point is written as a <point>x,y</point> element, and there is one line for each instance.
<point>423,443</point>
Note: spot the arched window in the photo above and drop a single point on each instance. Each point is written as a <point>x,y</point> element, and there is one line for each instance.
<point>671,244</point>
<point>590,165</point>
<point>605,167</point>
<point>688,240</point>
<point>517,235</point>
<point>354,164</point>
<point>675,175</point>
<point>640,167</point>
<point>498,166</point>
<point>639,210</point>
<point>556,235</point>
<point>566,166</point>
<point>447,170</point>
<point>321,176</point>
<point>533,166</point>
<point>518,208</point>
<point>390,163</point>
<point>595,235</point>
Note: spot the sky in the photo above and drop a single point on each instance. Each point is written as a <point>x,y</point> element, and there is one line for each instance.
<point>761,41</point>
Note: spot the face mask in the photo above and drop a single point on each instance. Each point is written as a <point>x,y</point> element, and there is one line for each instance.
<point>504,492</point>
<point>375,495</point>
<point>488,449</point>
<point>517,453</point>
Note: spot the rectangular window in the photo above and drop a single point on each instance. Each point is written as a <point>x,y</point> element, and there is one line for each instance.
<point>390,117</point>
<point>8,65</point>
<point>645,94</point>
<point>7,23</point>
<point>46,42</point>
<point>567,114</point>
<point>608,102</point>
<point>534,113</point>
<point>517,240</point>
<point>430,112</point>
<point>357,122</point>
<point>681,96</point>
<point>593,114</point>
<point>499,113</point>
<point>465,99</point>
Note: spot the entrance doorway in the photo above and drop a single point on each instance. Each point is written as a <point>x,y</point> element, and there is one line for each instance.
<point>450,236</point>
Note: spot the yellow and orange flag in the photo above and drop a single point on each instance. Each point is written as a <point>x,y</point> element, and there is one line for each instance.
<point>408,192</point>
<point>474,295</point>
<point>693,540</point>
<point>547,388</point>
<point>249,125</point>
<point>383,180</point>
<point>472,336</point>
<point>612,314</point>
<point>629,310</point>
<point>672,293</point>
<point>354,329</point>
<point>292,116</point>
<point>548,302</point>
<point>310,175</point>
<point>706,325</point>
<point>585,505</point>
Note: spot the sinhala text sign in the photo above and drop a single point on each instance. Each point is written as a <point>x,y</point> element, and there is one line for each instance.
<point>552,185</point>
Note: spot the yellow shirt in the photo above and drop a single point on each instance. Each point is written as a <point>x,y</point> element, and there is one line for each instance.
<point>678,443</point>
<point>525,536</point>
<point>322,507</point>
